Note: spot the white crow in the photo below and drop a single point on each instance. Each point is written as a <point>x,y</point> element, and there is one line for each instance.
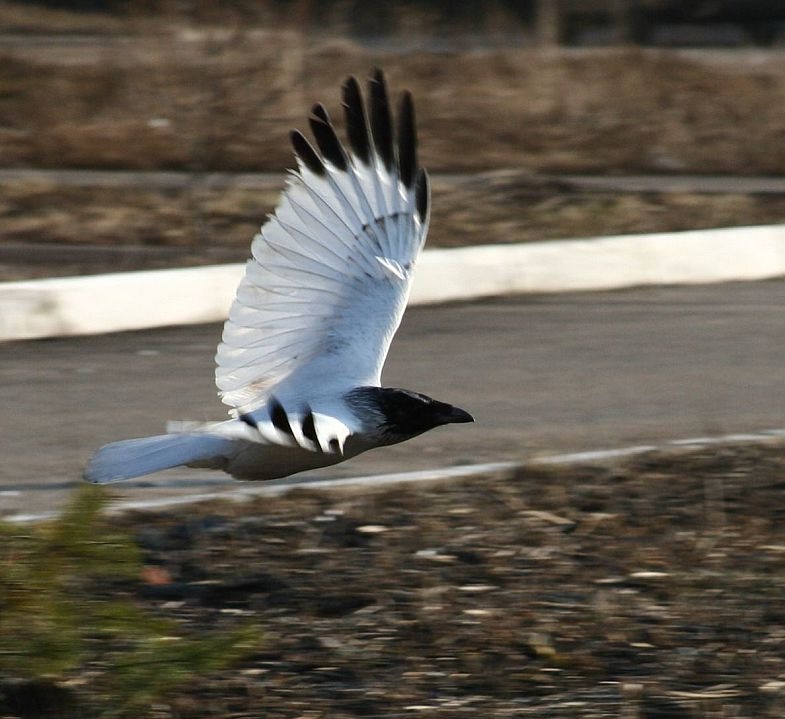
<point>301,356</point>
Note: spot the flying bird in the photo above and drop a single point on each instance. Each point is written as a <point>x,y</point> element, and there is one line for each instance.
<point>302,351</point>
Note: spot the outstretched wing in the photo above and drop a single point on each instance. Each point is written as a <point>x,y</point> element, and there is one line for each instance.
<point>332,269</point>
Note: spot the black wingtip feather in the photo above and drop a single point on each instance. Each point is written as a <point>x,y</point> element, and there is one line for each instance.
<point>303,150</point>
<point>380,137</point>
<point>422,194</point>
<point>407,141</point>
<point>381,123</point>
<point>326,139</point>
<point>309,428</point>
<point>320,111</point>
<point>279,417</point>
<point>356,124</point>
<point>249,420</point>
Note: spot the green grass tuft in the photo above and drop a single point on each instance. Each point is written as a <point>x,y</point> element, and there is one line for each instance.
<point>67,611</point>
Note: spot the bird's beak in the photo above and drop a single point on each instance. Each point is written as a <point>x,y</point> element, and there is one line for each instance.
<point>456,414</point>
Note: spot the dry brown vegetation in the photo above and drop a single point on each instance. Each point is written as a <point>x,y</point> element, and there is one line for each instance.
<point>190,98</point>
<point>147,93</point>
<point>201,221</point>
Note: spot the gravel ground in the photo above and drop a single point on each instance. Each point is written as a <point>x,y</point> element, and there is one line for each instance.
<point>649,588</point>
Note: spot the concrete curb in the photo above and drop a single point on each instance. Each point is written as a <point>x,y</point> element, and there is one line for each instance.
<point>136,300</point>
<point>250,490</point>
<point>275,488</point>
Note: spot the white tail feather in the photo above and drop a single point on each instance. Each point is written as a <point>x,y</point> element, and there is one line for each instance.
<point>136,457</point>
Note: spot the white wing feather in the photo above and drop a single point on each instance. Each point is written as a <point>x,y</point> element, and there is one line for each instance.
<point>326,287</point>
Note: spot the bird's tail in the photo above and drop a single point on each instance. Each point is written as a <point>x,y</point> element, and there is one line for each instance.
<point>135,457</point>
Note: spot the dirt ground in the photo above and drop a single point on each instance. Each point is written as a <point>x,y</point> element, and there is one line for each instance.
<point>649,588</point>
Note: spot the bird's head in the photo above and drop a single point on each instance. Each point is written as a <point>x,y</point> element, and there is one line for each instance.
<point>401,414</point>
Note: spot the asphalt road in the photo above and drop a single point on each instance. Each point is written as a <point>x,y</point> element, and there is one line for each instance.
<point>541,374</point>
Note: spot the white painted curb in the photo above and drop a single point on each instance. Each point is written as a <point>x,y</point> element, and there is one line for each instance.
<point>245,491</point>
<point>135,300</point>
<point>695,257</point>
<point>115,302</point>
<point>277,487</point>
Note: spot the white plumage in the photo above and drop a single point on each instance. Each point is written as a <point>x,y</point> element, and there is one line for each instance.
<point>326,287</point>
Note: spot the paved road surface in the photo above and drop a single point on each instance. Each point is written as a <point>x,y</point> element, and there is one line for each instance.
<point>541,374</point>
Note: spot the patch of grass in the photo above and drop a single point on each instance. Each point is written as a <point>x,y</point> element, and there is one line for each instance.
<point>68,618</point>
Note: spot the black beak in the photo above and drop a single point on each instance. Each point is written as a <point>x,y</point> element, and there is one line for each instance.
<point>455,415</point>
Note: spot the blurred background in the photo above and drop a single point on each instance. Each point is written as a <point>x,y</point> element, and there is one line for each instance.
<point>139,134</point>
<point>150,133</point>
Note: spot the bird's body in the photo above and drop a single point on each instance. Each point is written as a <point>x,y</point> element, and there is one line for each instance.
<point>230,446</point>
<point>302,351</point>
